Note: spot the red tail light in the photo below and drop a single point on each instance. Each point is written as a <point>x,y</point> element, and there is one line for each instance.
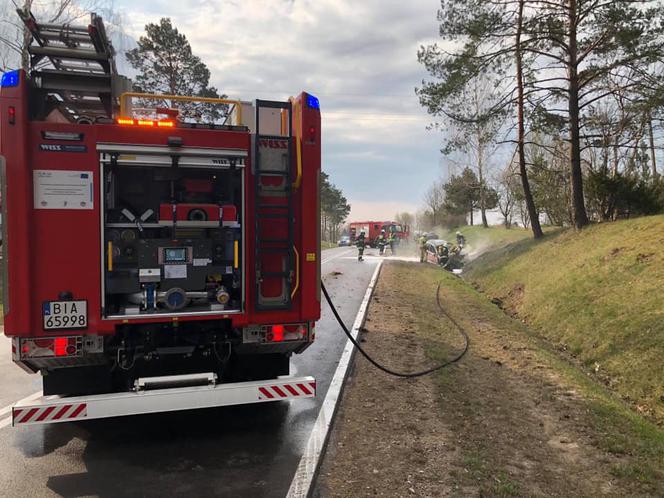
<point>288,332</point>
<point>277,333</point>
<point>11,114</point>
<point>60,346</point>
<point>51,346</point>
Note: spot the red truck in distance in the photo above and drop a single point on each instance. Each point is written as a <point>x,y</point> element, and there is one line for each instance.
<point>372,230</point>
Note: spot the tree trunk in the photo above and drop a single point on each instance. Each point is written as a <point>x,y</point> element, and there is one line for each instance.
<point>576,177</point>
<point>471,215</point>
<point>653,162</point>
<point>482,194</point>
<point>616,158</point>
<point>528,196</point>
<point>25,55</point>
<point>480,174</point>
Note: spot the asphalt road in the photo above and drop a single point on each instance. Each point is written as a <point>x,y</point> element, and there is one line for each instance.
<point>243,451</point>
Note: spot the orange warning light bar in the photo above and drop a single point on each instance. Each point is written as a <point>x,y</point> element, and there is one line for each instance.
<point>164,123</point>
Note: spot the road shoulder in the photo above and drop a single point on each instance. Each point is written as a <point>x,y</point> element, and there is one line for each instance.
<point>509,420</point>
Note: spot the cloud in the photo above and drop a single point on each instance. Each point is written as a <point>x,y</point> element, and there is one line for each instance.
<point>359,58</point>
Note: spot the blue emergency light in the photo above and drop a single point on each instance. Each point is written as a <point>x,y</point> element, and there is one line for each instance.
<point>10,78</point>
<point>313,102</point>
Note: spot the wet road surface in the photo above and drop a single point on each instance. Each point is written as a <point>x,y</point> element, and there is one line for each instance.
<point>242,451</point>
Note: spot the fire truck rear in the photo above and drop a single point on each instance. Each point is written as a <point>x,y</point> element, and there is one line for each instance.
<point>152,264</point>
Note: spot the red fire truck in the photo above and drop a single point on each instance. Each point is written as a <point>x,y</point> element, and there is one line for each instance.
<point>152,264</point>
<point>372,230</point>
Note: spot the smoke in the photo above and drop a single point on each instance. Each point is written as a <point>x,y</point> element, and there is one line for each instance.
<point>475,246</point>
<point>476,249</point>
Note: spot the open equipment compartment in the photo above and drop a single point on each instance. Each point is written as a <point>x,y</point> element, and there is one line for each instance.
<point>172,232</point>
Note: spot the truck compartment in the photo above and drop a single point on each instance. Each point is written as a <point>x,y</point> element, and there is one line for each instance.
<point>171,233</point>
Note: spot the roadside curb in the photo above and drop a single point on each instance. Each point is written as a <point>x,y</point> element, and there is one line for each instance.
<point>307,469</point>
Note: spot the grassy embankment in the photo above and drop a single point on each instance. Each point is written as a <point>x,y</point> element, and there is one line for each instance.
<point>518,414</point>
<point>636,442</point>
<point>596,295</point>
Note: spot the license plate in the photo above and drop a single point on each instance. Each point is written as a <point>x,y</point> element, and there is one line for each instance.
<point>65,314</point>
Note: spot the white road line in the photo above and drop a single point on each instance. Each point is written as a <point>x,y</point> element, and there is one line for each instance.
<point>8,409</point>
<point>308,467</point>
<point>334,257</point>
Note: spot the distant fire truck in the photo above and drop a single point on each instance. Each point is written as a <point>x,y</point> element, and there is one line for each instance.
<point>372,230</point>
<point>151,264</point>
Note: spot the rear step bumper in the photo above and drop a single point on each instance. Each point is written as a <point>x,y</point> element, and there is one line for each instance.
<point>54,409</point>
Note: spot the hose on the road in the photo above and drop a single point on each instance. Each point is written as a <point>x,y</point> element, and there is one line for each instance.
<point>389,371</point>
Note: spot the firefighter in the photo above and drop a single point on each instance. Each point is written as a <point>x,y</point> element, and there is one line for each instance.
<point>443,255</point>
<point>381,241</point>
<point>461,240</point>
<point>423,248</point>
<point>392,240</point>
<point>360,247</point>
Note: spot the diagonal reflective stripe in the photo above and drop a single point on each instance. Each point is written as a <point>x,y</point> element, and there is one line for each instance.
<point>78,410</point>
<point>265,392</point>
<point>45,413</point>
<point>304,389</point>
<point>291,390</point>
<point>279,391</point>
<point>28,415</point>
<point>62,411</point>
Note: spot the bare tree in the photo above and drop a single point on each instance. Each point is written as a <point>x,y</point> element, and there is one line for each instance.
<point>434,200</point>
<point>15,38</point>
<point>476,137</point>
<point>508,187</point>
<point>404,218</point>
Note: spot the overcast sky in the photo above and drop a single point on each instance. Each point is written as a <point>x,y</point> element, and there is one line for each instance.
<point>358,57</point>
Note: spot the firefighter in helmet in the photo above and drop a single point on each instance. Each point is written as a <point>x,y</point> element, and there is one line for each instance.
<point>392,240</point>
<point>360,246</point>
<point>380,242</point>
<point>423,247</point>
<point>461,240</point>
<point>443,254</point>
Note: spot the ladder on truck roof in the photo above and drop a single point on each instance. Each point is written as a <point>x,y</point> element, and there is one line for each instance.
<point>274,246</point>
<point>72,69</point>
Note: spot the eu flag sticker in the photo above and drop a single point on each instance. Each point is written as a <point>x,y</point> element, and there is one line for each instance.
<point>46,309</point>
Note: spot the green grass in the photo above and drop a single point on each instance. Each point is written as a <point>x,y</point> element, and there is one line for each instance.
<point>597,294</point>
<point>617,428</point>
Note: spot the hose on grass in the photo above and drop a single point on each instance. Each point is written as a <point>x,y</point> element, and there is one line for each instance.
<point>408,375</point>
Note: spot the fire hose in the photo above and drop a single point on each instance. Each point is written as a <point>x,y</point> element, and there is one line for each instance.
<point>389,371</point>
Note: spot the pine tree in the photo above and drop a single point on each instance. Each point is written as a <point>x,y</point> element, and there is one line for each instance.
<point>487,43</point>
<point>166,65</point>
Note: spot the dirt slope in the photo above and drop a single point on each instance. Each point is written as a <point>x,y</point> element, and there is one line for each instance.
<point>509,420</point>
